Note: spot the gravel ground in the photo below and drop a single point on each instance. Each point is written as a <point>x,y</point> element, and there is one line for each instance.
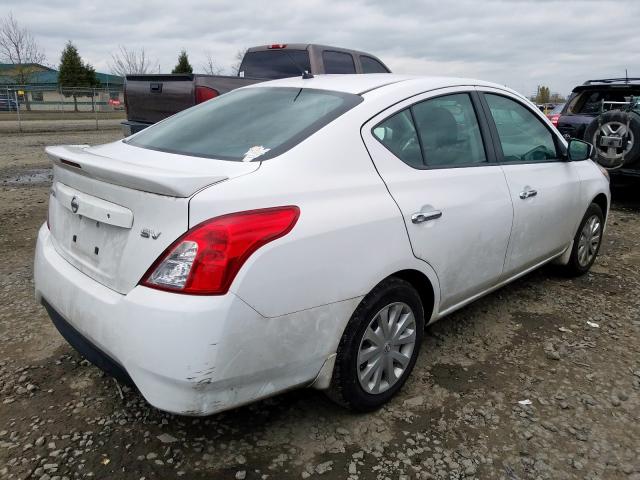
<point>539,380</point>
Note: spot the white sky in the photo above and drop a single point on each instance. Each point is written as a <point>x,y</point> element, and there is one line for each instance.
<point>520,43</point>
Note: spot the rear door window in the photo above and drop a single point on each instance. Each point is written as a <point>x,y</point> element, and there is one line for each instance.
<point>449,131</point>
<point>398,134</point>
<point>371,65</point>
<point>338,62</point>
<point>277,63</point>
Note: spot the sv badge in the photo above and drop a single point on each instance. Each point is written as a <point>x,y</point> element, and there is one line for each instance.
<point>148,233</point>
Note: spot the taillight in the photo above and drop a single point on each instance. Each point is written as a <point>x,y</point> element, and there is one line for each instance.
<point>554,120</point>
<point>206,259</point>
<point>205,93</point>
<point>276,46</point>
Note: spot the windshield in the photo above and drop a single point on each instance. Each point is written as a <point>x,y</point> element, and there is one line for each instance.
<point>281,63</point>
<point>246,124</point>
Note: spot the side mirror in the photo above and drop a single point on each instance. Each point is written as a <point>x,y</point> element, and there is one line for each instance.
<point>579,150</point>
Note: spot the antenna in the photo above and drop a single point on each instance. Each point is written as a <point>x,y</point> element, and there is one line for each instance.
<point>626,76</point>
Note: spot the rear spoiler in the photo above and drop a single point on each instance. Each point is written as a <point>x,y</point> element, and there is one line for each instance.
<point>173,183</point>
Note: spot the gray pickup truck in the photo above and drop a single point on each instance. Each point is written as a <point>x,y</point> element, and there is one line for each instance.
<point>151,98</point>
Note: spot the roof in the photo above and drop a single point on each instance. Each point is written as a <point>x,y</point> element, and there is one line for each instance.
<point>43,75</point>
<point>363,83</point>
<point>608,83</point>
<point>305,46</point>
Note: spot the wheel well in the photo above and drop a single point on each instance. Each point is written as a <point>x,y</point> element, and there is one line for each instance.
<point>423,286</point>
<point>601,201</point>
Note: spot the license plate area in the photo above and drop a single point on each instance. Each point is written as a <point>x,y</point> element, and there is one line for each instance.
<point>93,246</point>
<point>608,141</point>
<point>92,240</point>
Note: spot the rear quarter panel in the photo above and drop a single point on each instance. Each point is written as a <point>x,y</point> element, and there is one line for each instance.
<point>350,234</point>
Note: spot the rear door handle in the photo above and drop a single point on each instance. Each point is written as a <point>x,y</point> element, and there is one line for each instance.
<point>422,217</point>
<point>528,193</point>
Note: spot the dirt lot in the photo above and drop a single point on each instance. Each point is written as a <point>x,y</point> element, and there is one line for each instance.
<point>458,417</point>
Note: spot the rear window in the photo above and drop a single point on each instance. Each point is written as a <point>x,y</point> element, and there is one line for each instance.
<point>277,63</point>
<point>247,124</point>
<point>589,102</point>
<point>557,109</point>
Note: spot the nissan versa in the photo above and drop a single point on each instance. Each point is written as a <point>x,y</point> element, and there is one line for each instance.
<point>302,232</point>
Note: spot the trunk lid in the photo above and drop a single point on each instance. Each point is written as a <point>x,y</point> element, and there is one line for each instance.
<point>115,208</point>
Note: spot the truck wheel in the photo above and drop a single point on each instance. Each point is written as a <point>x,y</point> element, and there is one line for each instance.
<point>379,347</point>
<point>615,145</point>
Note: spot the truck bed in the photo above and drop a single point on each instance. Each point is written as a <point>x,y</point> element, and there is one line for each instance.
<point>151,98</point>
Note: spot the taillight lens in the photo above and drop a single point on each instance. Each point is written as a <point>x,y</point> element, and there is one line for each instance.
<point>206,259</point>
<point>554,120</point>
<point>205,93</point>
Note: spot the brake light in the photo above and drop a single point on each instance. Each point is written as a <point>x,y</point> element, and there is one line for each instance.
<point>554,120</point>
<point>205,93</point>
<point>276,46</point>
<point>206,259</point>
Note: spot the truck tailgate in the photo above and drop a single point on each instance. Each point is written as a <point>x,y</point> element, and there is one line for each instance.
<point>151,98</point>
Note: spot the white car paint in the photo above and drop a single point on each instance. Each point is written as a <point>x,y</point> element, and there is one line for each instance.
<point>279,325</point>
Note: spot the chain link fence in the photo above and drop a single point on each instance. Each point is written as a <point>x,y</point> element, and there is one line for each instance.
<point>103,107</point>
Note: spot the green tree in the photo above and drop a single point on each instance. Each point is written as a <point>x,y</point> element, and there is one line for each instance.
<point>543,94</point>
<point>75,77</point>
<point>183,65</point>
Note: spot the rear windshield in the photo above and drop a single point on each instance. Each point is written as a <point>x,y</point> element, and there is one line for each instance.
<point>589,102</point>
<point>246,124</point>
<point>557,109</point>
<point>280,63</point>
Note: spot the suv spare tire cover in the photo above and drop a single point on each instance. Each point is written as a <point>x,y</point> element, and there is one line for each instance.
<point>612,157</point>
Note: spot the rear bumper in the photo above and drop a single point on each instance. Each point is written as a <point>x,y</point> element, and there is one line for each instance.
<point>191,355</point>
<point>130,127</point>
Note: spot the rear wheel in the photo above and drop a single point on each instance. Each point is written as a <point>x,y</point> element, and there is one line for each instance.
<point>586,243</point>
<point>379,347</point>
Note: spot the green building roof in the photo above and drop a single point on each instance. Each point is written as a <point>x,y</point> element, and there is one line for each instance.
<point>45,76</point>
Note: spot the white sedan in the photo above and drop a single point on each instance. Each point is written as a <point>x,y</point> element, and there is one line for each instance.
<point>303,232</point>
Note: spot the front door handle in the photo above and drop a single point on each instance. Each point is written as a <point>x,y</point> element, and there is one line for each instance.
<point>421,217</point>
<point>528,193</point>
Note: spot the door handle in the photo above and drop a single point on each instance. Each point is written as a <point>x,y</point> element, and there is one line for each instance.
<point>421,217</point>
<point>528,193</point>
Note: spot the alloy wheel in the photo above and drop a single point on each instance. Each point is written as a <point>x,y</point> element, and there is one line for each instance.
<point>589,240</point>
<point>613,129</point>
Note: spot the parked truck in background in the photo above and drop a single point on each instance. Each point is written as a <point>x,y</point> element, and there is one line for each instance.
<point>151,98</point>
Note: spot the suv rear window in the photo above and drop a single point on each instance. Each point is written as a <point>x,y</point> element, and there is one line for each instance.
<point>589,101</point>
<point>246,124</point>
<point>280,63</point>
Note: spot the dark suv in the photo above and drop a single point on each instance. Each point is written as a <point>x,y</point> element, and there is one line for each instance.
<point>606,113</point>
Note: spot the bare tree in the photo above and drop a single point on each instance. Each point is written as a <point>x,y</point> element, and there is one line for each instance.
<point>210,66</point>
<point>235,67</point>
<point>18,47</point>
<point>130,61</point>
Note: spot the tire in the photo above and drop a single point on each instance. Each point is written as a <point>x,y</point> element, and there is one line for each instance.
<point>578,264</point>
<point>346,387</point>
<point>616,118</point>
